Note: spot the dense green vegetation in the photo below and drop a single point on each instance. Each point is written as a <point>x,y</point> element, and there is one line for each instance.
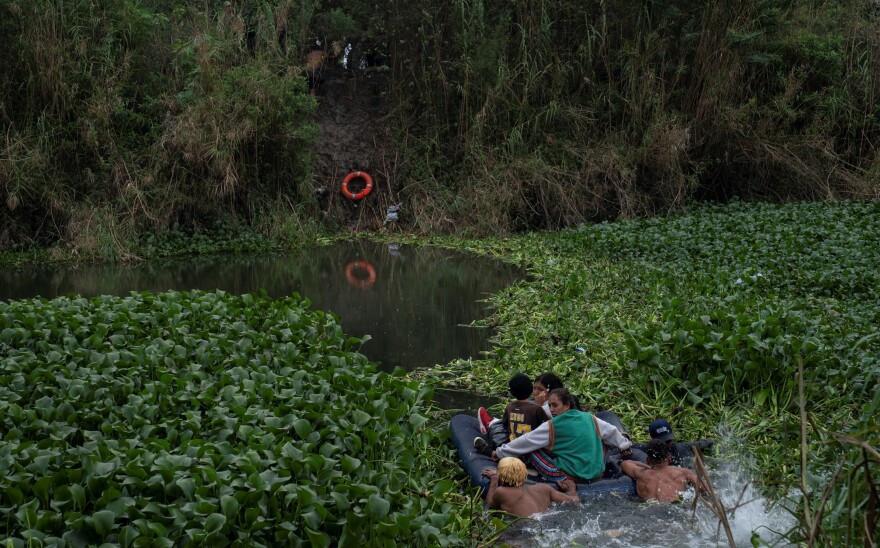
<point>204,418</point>
<point>128,117</point>
<point>135,128</point>
<point>551,113</point>
<point>702,319</point>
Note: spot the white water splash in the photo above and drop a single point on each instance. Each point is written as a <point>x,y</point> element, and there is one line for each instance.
<point>620,521</point>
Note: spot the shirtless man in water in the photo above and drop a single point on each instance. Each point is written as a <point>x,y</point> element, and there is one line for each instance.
<point>658,480</point>
<point>507,492</point>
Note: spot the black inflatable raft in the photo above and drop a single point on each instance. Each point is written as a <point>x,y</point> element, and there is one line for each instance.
<point>465,428</point>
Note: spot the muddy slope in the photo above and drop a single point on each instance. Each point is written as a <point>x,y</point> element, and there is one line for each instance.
<point>352,137</point>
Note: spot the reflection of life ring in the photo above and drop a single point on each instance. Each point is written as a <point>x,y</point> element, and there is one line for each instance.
<point>357,281</point>
<point>351,177</point>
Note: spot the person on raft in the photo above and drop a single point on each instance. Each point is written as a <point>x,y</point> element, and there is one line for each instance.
<point>508,492</point>
<point>520,416</point>
<point>658,479</point>
<point>569,446</point>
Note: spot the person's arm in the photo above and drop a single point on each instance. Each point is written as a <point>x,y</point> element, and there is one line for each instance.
<point>568,495</point>
<point>492,474</point>
<point>633,468</point>
<point>611,435</point>
<point>692,478</point>
<point>494,497</point>
<point>505,422</point>
<point>538,438</point>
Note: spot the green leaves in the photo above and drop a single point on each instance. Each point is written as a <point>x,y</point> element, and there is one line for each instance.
<point>214,523</point>
<point>164,419</point>
<point>229,506</point>
<point>103,522</point>
<point>378,506</point>
<point>701,318</point>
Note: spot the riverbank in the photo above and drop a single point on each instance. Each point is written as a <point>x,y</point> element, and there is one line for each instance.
<point>701,318</point>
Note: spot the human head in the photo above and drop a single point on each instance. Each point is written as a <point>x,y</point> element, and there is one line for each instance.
<point>544,383</point>
<point>511,472</point>
<point>660,430</point>
<point>520,386</point>
<point>561,401</point>
<point>658,452</point>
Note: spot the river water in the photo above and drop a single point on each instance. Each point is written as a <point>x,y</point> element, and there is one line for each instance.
<point>416,303</point>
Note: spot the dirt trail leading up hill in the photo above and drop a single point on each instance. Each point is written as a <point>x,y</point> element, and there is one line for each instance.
<point>352,137</point>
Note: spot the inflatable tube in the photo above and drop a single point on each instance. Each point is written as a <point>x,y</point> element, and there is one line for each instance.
<point>360,283</point>
<point>351,177</point>
<point>465,428</point>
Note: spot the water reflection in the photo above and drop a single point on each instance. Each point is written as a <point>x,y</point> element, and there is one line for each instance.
<point>414,302</point>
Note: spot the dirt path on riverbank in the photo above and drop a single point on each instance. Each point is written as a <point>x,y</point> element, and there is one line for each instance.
<point>352,136</point>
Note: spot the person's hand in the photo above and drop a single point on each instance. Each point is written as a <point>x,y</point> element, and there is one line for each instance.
<point>489,472</point>
<point>494,456</point>
<point>567,486</point>
<point>626,453</point>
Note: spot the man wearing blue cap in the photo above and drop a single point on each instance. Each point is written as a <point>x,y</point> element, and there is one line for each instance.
<point>681,454</point>
<point>657,479</point>
<point>661,430</point>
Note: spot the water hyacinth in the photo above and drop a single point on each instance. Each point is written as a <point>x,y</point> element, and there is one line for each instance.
<point>703,318</point>
<point>203,418</point>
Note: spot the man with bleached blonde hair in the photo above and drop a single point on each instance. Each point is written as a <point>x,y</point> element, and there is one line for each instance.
<point>508,492</point>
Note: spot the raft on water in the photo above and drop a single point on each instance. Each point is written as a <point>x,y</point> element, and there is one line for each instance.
<point>465,428</point>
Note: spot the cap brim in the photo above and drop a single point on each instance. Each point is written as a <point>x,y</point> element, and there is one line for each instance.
<point>665,437</point>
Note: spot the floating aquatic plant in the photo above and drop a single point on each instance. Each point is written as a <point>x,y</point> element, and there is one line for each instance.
<point>205,418</point>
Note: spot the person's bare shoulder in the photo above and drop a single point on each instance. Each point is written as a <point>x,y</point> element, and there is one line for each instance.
<point>506,494</point>
<point>539,488</point>
<point>633,468</point>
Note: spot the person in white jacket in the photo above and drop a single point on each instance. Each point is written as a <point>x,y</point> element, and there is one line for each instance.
<point>569,446</point>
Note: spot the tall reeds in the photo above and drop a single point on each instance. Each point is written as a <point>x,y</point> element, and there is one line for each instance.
<point>843,507</point>
<point>637,111</point>
<point>129,116</point>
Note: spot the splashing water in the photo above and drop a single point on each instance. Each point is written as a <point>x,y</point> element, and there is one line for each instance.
<point>622,521</point>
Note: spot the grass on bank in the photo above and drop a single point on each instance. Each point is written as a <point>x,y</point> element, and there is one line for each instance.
<point>701,318</point>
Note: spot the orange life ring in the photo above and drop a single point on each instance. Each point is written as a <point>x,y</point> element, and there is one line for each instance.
<point>360,283</point>
<point>351,177</point>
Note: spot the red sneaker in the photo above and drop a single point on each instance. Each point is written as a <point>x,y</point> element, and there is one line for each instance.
<point>484,419</point>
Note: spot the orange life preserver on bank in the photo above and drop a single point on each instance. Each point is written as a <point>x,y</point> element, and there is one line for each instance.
<point>351,177</point>
<point>360,283</point>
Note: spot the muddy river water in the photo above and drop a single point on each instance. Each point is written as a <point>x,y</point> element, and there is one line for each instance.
<point>415,303</point>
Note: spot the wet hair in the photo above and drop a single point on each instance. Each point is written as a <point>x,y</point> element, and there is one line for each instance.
<point>565,397</point>
<point>511,472</point>
<point>549,380</point>
<point>658,451</point>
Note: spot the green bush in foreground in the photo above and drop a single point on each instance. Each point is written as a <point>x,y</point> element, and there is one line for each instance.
<point>204,418</point>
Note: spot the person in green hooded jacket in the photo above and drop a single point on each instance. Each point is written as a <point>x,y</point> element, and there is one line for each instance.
<point>573,442</point>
